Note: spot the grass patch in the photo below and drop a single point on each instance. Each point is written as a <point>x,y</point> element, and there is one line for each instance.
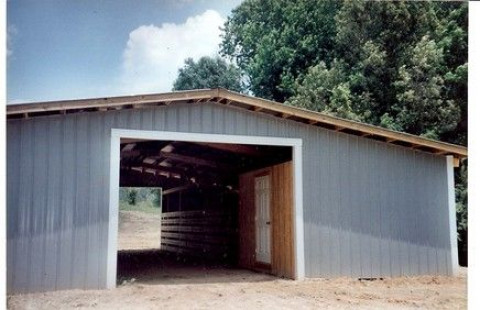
<point>140,199</point>
<point>143,206</point>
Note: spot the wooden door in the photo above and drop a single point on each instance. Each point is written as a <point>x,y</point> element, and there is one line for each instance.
<point>262,220</point>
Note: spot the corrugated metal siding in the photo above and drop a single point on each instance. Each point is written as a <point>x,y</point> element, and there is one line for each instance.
<point>371,209</point>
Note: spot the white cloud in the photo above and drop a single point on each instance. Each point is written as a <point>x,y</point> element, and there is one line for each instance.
<point>153,55</point>
<point>12,31</point>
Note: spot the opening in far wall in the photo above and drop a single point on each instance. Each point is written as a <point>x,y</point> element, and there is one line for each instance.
<point>139,221</point>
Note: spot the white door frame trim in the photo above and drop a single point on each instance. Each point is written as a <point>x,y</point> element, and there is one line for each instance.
<point>117,134</point>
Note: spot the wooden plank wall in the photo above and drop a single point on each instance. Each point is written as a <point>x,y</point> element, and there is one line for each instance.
<point>283,264</point>
<point>282,213</point>
<point>204,233</point>
<point>246,221</point>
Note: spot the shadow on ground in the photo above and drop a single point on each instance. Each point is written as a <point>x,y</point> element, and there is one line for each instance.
<point>159,267</point>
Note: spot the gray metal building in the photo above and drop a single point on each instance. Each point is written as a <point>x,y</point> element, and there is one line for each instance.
<point>369,202</point>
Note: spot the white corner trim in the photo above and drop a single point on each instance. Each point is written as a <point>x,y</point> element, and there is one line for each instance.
<point>452,215</point>
<point>111,273</point>
<point>299,231</point>
<point>117,134</point>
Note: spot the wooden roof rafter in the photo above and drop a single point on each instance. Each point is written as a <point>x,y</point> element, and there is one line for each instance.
<point>206,163</point>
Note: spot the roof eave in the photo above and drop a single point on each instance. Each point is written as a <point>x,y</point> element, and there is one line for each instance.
<point>224,96</point>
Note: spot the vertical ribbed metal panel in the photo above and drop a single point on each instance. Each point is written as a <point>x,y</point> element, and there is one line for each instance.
<point>370,209</point>
<point>14,135</point>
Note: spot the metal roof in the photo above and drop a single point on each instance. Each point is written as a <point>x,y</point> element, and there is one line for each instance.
<point>234,99</point>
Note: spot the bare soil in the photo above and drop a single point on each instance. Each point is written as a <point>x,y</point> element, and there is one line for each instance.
<point>199,287</point>
<point>151,279</point>
<point>138,230</point>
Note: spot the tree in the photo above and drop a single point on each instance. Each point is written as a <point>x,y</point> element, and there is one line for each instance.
<point>452,36</point>
<point>377,47</point>
<point>156,197</point>
<point>421,108</point>
<point>407,91</point>
<point>132,196</point>
<point>208,72</point>
<point>326,90</point>
<point>461,195</point>
<point>274,41</point>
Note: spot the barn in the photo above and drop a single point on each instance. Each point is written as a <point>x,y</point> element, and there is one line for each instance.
<point>307,194</point>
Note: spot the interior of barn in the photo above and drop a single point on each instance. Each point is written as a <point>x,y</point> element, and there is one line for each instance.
<point>208,215</point>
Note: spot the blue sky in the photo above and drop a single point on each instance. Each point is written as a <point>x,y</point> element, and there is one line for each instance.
<point>68,49</point>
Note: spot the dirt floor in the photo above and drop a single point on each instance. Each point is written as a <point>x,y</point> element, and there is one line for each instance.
<point>138,230</point>
<point>155,280</point>
<point>151,279</point>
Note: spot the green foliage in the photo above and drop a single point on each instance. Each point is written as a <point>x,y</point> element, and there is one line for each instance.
<point>461,195</point>
<point>132,196</point>
<point>325,90</point>
<point>398,64</point>
<point>421,108</point>
<point>156,198</point>
<point>208,72</point>
<point>139,198</point>
<point>452,35</point>
<point>142,206</point>
<point>274,41</point>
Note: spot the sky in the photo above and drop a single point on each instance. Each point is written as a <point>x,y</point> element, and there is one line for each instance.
<point>70,49</point>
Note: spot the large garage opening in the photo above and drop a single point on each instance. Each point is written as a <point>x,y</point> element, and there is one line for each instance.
<point>222,208</point>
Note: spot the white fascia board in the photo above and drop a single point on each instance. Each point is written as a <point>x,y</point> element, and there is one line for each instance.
<point>201,137</point>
